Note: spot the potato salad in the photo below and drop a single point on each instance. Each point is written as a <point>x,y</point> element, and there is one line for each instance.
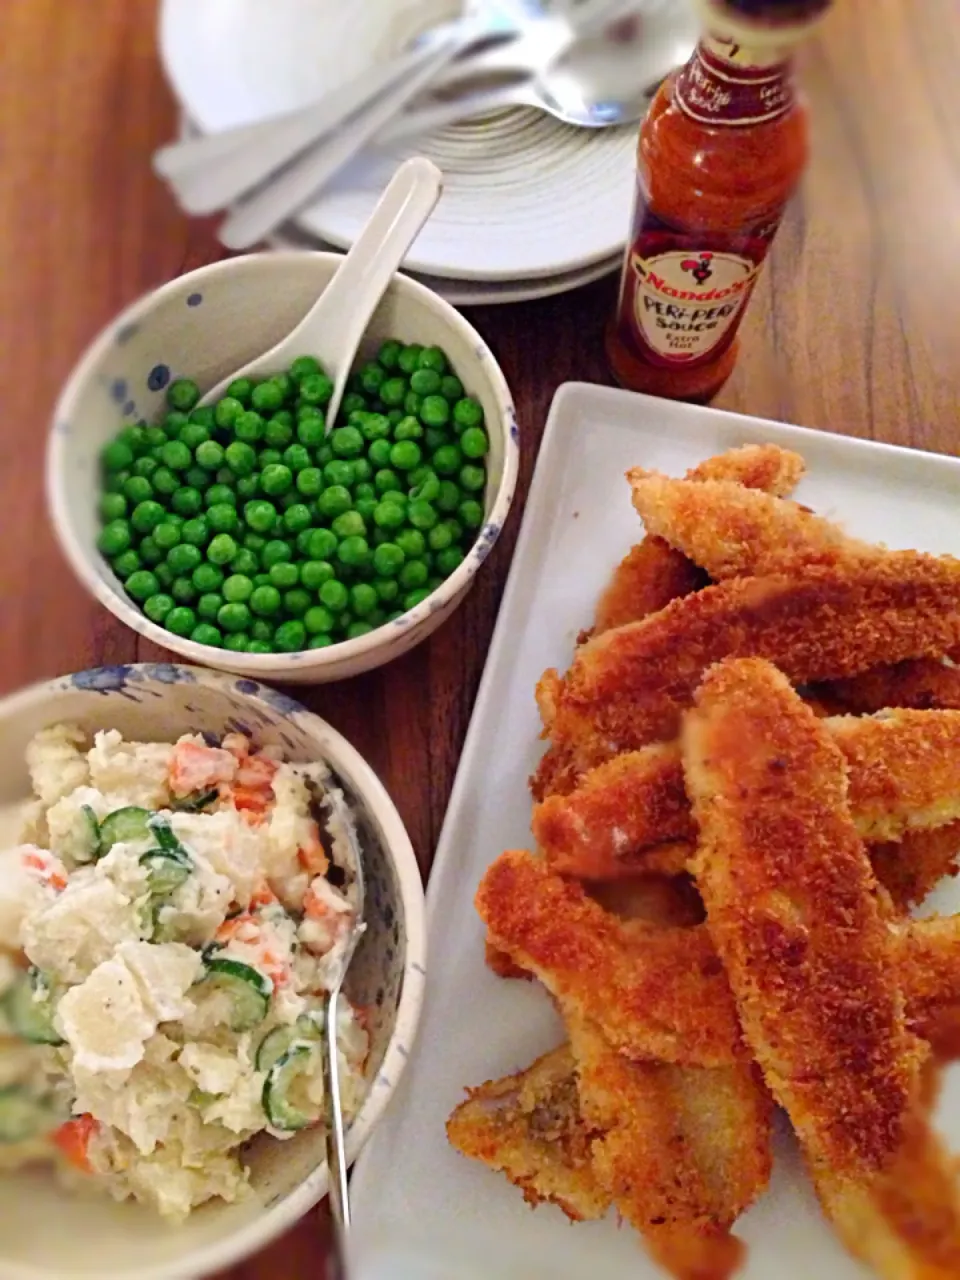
<point>168,922</point>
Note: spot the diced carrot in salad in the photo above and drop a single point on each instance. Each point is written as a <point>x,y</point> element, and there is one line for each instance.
<point>197,767</point>
<point>50,870</point>
<point>73,1141</point>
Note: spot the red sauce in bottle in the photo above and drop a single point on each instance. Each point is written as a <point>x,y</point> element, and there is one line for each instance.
<point>721,151</point>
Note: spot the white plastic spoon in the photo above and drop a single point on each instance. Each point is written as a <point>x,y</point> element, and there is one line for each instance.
<point>333,327</point>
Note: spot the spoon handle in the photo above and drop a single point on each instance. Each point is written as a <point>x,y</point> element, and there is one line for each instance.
<point>333,329</point>
<point>267,209</point>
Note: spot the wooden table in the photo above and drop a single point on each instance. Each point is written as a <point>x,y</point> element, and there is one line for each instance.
<point>854,328</point>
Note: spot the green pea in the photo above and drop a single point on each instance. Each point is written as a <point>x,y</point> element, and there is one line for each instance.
<point>405,455</point>
<point>362,471</point>
<point>412,403</point>
<point>320,544</point>
<point>470,513</point>
<point>145,467</point>
<point>158,607</point>
<point>276,480</point>
<point>209,455</point>
<point>259,646</point>
<point>448,560</point>
<point>412,543</point>
<point>204,415</point>
<point>290,637</point>
<point>265,601</point>
<point>319,642</point>
<point>389,515</point>
<point>113,506</point>
<point>413,574</point>
<point>314,573</point>
<point>184,558</point>
<point>114,482</point>
<point>311,432</point>
<point>270,458</point>
<point>221,550</point>
<point>164,575</point>
<point>196,478</point>
<point>173,424</point>
<point>278,432</point>
<point>393,392</point>
<point>297,601</point>
<point>365,507</point>
<point>249,427</point>
<point>472,478</point>
<point>346,442</point>
<point>284,575</point>
<point>206,633</point>
<point>187,501</point>
<point>334,595</point>
<point>318,620</point>
<point>285,417</point>
<point>426,485</point>
<point>449,496</point>
<point>386,481</point>
<point>455,527</point>
<point>352,403</point>
<point>183,394</point>
<point>358,629</point>
<point>389,354</point>
<point>150,553</point>
<point>447,460</point>
<point>388,559</point>
<point>387,589</point>
<point>451,388</point>
<point>222,517</point>
<point>353,550</point>
<point>239,389</point>
<point>435,411</point>
<point>297,457</point>
<point>373,426</point>
<point>379,453</point>
<point>228,410</point>
<point>193,435</point>
<point>408,429</point>
<point>276,551</point>
<point>395,416</point>
<point>409,358</point>
<point>146,516</point>
<point>261,516</point>
<point>245,562</point>
<point>240,458</point>
<point>239,642</point>
<point>364,490</point>
<point>334,501</point>
<point>196,531</point>
<point>137,489</point>
<point>248,486</point>
<point>181,620</point>
<point>233,617</point>
<point>435,438</point>
<point>297,517</point>
<point>372,377</point>
<point>474,442</point>
<point>413,598</point>
<point>338,472</point>
<point>316,388</point>
<point>425,382</point>
<point>433,358</point>
<point>254,542</point>
<point>310,482</point>
<point>207,577</point>
<point>164,481</point>
<point>363,599</point>
<point>127,563</point>
<point>467,413</point>
<point>237,589</point>
<point>183,590</point>
<point>440,537</point>
<point>176,455</point>
<point>261,629</point>
<point>304,367</point>
<point>268,396</point>
<point>348,524</point>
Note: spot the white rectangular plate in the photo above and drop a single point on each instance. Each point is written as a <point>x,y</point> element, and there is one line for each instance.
<point>579,522</point>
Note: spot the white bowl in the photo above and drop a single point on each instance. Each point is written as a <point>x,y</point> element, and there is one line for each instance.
<point>50,1234</point>
<point>205,324</point>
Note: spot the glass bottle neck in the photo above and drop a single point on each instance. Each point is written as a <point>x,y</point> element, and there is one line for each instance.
<point>728,84</point>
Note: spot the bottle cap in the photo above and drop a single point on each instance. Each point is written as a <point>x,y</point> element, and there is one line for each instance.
<point>763,22</point>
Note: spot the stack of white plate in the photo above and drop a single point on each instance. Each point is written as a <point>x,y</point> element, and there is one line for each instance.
<point>531,207</point>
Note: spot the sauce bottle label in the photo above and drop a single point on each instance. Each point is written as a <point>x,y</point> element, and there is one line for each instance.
<point>725,83</point>
<point>680,303</point>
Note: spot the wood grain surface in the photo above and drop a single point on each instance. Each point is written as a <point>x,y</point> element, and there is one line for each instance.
<point>854,329</point>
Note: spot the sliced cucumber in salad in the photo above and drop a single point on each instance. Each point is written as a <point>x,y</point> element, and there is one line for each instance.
<point>246,989</point>
<point>23,1115</point>
<point>123,826</point>
<point>286,1105</point>
<point>196,803</point>
<point>308,1028</point>
<point>82,842</point>
<point>28,1005</point>
<point>167,870</point>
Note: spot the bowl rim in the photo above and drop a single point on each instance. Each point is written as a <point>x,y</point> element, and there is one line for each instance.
<point>254,664</point>
<point>275,1218</point>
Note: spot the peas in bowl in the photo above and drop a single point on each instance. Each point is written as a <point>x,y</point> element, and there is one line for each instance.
<point>239,534</point>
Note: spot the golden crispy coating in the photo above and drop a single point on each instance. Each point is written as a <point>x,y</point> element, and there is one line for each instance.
<point>928,969</point>
<point>529,1127</point>
<point>792,908</point>
<point>911,868</point>
<point>666,900</point>
<point>652,573</point>
<point>733,532</point>
<point>628,687</point>
<point>922,684</point>
<point>683,1150</point>
<point>656,992</point>
<point>904,773</point>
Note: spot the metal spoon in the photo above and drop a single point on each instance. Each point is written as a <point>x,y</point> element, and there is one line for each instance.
<point>336,1149</point>
<point>605,78</point>
<point>334,326</point>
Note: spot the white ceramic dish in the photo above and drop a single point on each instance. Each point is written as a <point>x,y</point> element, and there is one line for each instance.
<point>95,1239</point>
<point>578,524</point>
<point>524,196</point>
<point>205,324</point>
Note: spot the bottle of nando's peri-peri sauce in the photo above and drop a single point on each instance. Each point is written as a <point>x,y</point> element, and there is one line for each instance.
<point>721,151</point>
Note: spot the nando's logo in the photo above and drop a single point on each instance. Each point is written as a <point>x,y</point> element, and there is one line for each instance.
<point>699,278</point>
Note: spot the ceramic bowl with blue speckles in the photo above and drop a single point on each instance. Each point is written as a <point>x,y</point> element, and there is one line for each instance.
<point>92,1237</point>
<point>204,325</point>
